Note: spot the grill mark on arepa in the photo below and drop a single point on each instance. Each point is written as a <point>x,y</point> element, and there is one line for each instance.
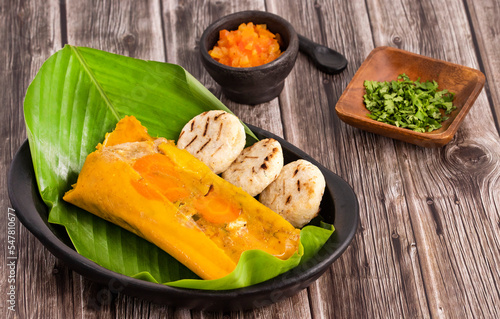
<point>218,149</point>
<point>194,138</point>
<point>182,133</point>
<point>192,125</point>
<point>288,199</point>
<point>203,146</point>
<point>298,185</point>
<point>220,129</point>
<point>206,127</point>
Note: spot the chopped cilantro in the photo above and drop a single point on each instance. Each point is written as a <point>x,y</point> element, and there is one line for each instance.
<point>410,104</point>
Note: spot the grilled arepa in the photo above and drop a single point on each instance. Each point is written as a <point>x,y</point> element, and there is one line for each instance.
<point>256,167</point>
<point>215,137</point>
<point>296,193</point>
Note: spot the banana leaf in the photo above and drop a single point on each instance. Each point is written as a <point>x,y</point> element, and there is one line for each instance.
<point>77,96</point>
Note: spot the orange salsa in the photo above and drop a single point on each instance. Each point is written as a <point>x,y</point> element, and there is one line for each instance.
<point>250,45</point>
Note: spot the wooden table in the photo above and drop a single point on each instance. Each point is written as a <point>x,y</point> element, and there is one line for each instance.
<point>428,244</point>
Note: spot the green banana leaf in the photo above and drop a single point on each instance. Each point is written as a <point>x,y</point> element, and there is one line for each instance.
<point>77,96</point>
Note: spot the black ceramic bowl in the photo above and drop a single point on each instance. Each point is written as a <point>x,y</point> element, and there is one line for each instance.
<point>256,84</point>
<point>339,206</point>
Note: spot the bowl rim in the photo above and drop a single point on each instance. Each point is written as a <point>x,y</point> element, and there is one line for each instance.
<point>289,53</point>
<point>440,137</point>
<point>287,281</point>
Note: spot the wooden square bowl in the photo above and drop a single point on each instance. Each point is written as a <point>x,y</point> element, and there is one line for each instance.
<point>385,64</point>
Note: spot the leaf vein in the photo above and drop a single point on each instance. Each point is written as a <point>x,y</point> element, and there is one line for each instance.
<point>92,77</point>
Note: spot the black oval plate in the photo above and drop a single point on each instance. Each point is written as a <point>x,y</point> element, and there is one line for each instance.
<point>339,206</point>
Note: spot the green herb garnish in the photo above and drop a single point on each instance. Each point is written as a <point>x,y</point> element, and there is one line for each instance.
<point>410,104</point>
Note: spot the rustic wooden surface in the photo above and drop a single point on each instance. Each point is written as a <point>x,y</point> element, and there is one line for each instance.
<point>428,243</point>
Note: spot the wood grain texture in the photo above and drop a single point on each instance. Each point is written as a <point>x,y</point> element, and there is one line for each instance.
<point>443,229</point>
<point>486,35</point>
<point>30,34</point>
<point>131,28</point>
<point>428,244</point>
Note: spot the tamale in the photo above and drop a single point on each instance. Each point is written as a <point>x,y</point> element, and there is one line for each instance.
<point>168,197</point>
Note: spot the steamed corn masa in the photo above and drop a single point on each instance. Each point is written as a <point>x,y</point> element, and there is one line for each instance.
<point>215,137</point>
<point>168,197</point>
<point>256,167</point>
<point>297,192</point>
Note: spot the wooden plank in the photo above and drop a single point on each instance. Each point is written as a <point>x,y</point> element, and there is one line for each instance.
<point>131,28</point>
<point>450,191</point>
<point>378,276</point>
<point>30,34</point>
<point>483,16</point>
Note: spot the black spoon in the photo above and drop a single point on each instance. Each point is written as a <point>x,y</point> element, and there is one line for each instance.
<point>325,59</point>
